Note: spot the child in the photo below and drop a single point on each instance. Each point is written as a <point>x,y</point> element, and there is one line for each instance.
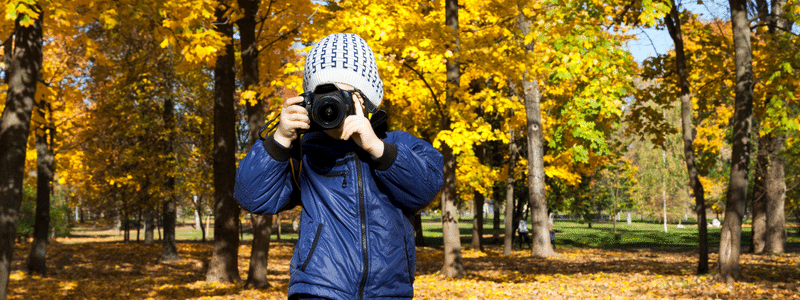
<point>358,186</point>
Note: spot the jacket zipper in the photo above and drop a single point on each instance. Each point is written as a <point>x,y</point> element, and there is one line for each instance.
<point>337,174</point>
<point>363,212</point>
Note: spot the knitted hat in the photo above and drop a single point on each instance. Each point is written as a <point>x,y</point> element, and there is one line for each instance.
<point>344,58</point>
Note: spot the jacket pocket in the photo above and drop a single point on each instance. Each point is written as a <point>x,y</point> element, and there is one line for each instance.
<point>342,174</point>
<point>312,249</point>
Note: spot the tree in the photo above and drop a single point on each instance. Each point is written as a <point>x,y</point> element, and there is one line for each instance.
<point>513,154</point>
<point>262,225</point>
<point>477,208</point>
<point>224,261</point>
<point>730,240</point>
<point>453,266</point>
<point>57,99</point>
<point>673,22</point>
<point>615,181</point>
<point>653,162</point>
<point>536,193</point>
<point>268,27</point>
<point>768,203</point>
<point>45,132</point>
<point>23,64</point>
<point>169,250</point>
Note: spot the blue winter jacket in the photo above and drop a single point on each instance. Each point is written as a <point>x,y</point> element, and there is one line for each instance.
<point>356,238</point>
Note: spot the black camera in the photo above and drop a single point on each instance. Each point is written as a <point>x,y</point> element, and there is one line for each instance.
<point>328,106</point>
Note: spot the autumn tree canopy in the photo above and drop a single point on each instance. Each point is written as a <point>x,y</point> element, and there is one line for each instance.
<point>131,87</point>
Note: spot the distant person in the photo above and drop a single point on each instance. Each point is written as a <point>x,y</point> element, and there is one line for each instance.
<point>552,234</point>
<point>358,184</point>
<point>523,233</point>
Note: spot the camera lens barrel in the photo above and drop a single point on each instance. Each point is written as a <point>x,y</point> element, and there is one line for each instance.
<point>328,109</point>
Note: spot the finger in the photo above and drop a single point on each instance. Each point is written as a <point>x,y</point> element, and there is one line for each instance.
<point>348,128</point>
<point>294,125</point>
<point>295,109</point>
<point>357,101</point>
<point>291,101</point>
<point>298,118</point>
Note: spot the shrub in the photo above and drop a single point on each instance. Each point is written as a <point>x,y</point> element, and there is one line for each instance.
<point>59,215</point>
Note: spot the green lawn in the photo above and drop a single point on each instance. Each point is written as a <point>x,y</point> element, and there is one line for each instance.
<point>569,234</point>
<point>637,235</point>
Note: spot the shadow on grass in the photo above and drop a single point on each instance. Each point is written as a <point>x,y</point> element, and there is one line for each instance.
<point>661,261</point>
<point>120,270</point>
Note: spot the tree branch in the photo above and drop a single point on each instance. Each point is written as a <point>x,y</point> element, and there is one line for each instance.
<point>433,94</point>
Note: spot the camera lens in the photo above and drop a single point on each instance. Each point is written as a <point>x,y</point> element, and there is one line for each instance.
<point>328,112</point>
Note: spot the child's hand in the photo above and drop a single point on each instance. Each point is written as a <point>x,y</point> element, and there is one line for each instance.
<point>358,127</point>
<point>293,117</point>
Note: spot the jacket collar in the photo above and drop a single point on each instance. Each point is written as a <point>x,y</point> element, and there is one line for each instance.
<point>320,145</point>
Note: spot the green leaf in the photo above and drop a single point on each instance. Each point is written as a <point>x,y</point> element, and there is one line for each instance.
<point>787,67</point>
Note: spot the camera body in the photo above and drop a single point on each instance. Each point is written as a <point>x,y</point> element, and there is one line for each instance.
<point>328,106</point>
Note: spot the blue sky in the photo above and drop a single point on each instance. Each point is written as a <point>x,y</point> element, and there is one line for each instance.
<point>653,42</point>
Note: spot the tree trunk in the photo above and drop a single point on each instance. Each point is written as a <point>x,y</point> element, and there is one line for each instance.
<point>262,225</point>
<point>169,250</point>
<point>615,217</point>
<point>477,222</point>
<point>757,240</point>
<point>259,255</point>
<point>730,239</point>
<point>138,222</point>
<point>37,262</point>
<point>775,235</point>
<point>537,199</point>
<point>149,226</point>
<point>23,65</point>
<point>513,152</point>
<point>674,26</point>
<point>223,266</point>
<point>496,219</point>
<point>198,211</point>
<point>540,233</point>
<point>276,219</point>
<point>477,207</point>
<point>419,239</point>
<point>198,218</point>
<point>775,184</point>
<point>125,223</point>
<point>664,188</point>
<point>453,265</point>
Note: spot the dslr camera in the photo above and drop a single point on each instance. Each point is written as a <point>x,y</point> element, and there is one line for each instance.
<point>328,106</point>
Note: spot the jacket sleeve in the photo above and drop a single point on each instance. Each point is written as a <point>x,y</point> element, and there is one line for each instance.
<point>263,178</point>
<point>411,170</point>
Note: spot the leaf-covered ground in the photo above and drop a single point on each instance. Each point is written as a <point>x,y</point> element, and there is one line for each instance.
<point>103,268</point>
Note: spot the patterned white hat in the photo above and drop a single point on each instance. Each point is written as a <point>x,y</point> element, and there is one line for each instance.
<point>344,58</point>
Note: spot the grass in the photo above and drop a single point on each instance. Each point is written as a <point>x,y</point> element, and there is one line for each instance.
<point>569,234</point>
<point>573,234</point>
